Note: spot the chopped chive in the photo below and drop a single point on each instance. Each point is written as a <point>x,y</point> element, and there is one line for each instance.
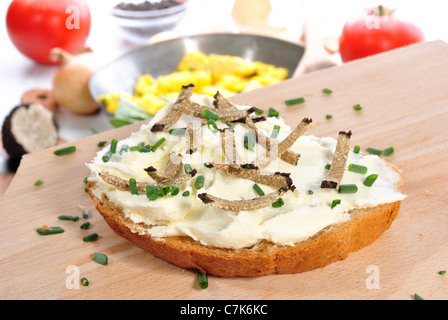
<point>199,183</point>
<point>388,151</point>
<point>85,213</point>
<point>229,125</point>
<point>259,111</point>
<point>85,225</point>
<point>202,280</point>
<point>275,131</point>
<point>101,143</point>
<point>273,113</point>
<point>133,186</point>
<point>135,148</point>
<point>348,188</point>
<point>124,148</point>
<point>186,193</point>
<point>177,131</point>
<point>378,152</point>
<point>278,203</point>
<point>113,146</point>
<point>417,297</point>
<point>188,168</point>
<point>328,166</point>
<point>370,180</point>
<point>357,107</point>
<point>158,144</point>
<point>174,190</point>
<point>49,230</point>
<point>84,282</point>
<point>66,217</point>
<point>442,272</point>
<point>291,102</point>
<point>152,193</point>
<point>214,128</point>
<point>209,114</point>
<point>357,168</point>
<point>335,203</point>
<point>356,149</point>
<point>310,192</point>
<point>64,151</point>
<point>38,182</point>
<point>328,116</point>
<point>258,190</point>
<point>90,237</point>
<point>249,141</point>
<point>100,258</point>
<point>107,156</point>
<point>94,131</point>
<point>327,91</point>
<point>86,180</point>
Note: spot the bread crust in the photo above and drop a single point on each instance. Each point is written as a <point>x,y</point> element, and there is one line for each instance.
<point>329,245</point>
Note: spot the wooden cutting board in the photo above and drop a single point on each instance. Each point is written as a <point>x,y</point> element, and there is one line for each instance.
<point>405,105</point>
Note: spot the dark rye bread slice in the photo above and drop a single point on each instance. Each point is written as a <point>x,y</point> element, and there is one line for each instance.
<point>329,245</point>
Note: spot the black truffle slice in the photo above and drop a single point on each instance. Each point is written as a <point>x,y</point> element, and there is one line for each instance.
<point>29,128</point>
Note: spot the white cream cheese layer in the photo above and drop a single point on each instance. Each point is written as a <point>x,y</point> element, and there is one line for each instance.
<point>306,210</point>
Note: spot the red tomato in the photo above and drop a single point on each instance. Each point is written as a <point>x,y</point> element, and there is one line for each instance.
<point>376,32</point>
<point>37,26</point>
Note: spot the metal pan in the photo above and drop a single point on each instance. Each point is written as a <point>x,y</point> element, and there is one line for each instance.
<point>162,58</point>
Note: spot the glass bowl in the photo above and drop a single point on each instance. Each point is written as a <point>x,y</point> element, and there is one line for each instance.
<point>138,26</point>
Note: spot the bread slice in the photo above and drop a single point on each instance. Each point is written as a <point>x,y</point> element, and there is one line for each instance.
<point>329,245</point>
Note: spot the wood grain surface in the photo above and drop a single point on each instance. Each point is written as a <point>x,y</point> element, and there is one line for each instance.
<point>404,104</point>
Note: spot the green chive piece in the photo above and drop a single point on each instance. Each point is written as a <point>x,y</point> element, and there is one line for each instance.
<point>202,280</point>
<point>173,189</point>
<point>370,180</point>
<point>249,141</point>
<point>188,168</point>
<point>273,113</point>
<point>291,102</point>
<point>85,225</point>
<point>70,218</point>
<point>388,151</point>
<point>328,116</point>
<point>38,182</point>
<point>214,126</point>
<point>335,203</point>
<point>209,114</point>
<point>177,131</point>
<point>199,183</point>
<point>356,149</point>
<point>86,180</point>
<point>64,151</point>
<point>186,193</point>
<point>124,148</point>
<point>378,152</point>
<point>84,282</point>
<point>135,148</point>
<point>85,213</point>
<point>101,143</point>
<point>357,107</point>
<point>113,146</point>
<point>278,203</point>
<point>49,230</point>
<point>158,144</point>
<point>94,131</point>
<point>133,186</point>
<point>357,168</point>
<point>152,193</point>
<point>442,272</point>
<point>258,190</point>
<point>275,131</point>
<point>417,297</point>
<point>90,237</point>
<point>100,258</point>
<point>328,166</point>
<point>310,192</point>
<point>327,91</point>
<point>259,111</point>
<point>348,188</point>
<point>107,156</point>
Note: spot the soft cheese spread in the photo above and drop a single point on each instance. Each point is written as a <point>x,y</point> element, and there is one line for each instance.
<point>304,211</point>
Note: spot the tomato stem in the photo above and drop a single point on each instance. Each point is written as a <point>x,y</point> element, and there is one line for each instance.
<point>382,11</point>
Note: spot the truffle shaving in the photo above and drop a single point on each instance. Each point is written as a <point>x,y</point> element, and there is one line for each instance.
<point>173,165</point>
<point>193,136</point>
<point>242,205</point>
<point>339,162</point>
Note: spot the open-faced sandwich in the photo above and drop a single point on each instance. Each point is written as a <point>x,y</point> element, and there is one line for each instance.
<point>217,187</point>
